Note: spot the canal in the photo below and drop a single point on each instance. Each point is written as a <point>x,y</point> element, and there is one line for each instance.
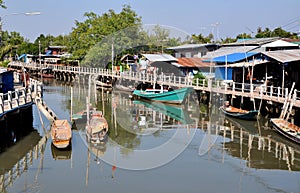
<point>150,148</point>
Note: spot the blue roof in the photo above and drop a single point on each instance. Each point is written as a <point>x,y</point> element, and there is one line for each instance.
<point>234,57</point>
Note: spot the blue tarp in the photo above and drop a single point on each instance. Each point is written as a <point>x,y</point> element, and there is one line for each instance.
<point>24,56</point>
<point>48,53</point>
<point>234,57</point>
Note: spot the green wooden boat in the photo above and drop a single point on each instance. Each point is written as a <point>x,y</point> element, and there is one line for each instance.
<point>167,96</point>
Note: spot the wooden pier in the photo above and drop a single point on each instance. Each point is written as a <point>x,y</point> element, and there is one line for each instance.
<point>252,91</point>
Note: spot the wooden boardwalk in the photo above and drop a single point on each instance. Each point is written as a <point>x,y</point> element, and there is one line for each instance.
<point>253,91</point>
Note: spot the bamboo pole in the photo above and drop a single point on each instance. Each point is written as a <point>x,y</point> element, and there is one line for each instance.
<point>286,102</point>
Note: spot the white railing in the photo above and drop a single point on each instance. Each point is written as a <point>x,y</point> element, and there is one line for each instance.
<point>227,87</point>
<point>19,97</point>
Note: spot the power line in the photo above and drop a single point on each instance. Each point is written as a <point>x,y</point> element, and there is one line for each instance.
<point>291,21</point>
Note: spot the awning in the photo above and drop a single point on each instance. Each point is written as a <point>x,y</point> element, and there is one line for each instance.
<point>284,56</point>
<point>232,58</point>
<point>243,64</point>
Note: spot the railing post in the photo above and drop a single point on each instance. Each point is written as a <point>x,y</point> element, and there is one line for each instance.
<point>243,87</point>
<point>271,91</point>
<point>278,93</point>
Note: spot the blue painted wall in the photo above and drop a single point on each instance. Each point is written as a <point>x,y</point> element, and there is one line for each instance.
<point>220,73</point>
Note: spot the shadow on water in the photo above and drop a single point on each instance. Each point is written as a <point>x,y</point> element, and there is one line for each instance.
<point>15,126</point>
<point>20,143</point>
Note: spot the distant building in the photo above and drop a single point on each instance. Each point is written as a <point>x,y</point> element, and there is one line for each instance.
<point>192,50</point>
<point>54,54</point>
<point>272,60</point>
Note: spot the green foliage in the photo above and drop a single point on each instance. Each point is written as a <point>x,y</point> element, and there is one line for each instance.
<point>2,5</point>
<point>243,36</point>
<point>228,40</point>
<point>199,77</point>
<point>4,63</point>
<point>201,39</point>
<point>278,32</point>
<point>95,28</point>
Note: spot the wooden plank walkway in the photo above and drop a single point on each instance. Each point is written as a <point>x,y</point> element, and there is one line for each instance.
<point>261,92</point>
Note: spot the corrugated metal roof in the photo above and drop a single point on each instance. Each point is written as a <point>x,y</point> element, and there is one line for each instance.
<point>279,43</point>
<point>228,50</point>
<point>159,57</point>
<point>193,62</point>
<point>231,58</point>
<point>190,46</point>
<point>253,41</point>
<point>284,56</point>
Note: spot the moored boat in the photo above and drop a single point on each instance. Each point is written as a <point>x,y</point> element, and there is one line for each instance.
<point>97,127</point>
<point>286,128</point>
<point>61,133</point>
<point>163,95</point>
<point>239,113</point>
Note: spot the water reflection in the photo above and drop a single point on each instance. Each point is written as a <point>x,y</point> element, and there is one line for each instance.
<point>136,126</point>
<point>61,154</point>
<point>16,159</point>
<point>260,148</point>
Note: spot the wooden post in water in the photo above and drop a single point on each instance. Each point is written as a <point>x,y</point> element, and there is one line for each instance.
<point>71,105</point>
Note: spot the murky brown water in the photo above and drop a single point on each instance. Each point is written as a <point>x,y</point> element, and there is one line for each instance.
<point>151,148</point>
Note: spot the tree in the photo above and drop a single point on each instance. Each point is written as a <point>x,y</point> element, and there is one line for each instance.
<point>228,40</point>
<point>11,41</point>
<point>2,5</point>
<point>277,32</point>
<point>243,36</point>
<point>95,28</point>
<point>201,39</point>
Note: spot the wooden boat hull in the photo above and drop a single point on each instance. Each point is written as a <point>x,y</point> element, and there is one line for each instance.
<point>250,115</point>
<point>97,128</point>
<point>282,127</point>
<point>175,96</point>
<point>61,133</point>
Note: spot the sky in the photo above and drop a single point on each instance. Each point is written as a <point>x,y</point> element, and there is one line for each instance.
<point>223,18</point>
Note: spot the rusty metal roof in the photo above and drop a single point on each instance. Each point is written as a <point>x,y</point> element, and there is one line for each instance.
<point>193,62</point>
<point>284,56</point>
